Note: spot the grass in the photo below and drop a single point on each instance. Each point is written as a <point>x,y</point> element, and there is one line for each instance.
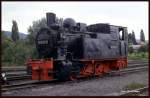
<point>138,56</point>
<point>133,86</point>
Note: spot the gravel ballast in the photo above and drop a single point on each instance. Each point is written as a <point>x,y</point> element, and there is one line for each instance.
<point>96,87</point>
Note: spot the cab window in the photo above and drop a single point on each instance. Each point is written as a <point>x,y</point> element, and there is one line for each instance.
<point>121,34</point>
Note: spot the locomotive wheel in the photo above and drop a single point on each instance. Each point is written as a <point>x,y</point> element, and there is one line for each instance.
<point>73,77</point>
<point>64,73</point>
<point>75,73</point>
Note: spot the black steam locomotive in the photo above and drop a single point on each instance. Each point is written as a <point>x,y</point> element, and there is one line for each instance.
<point>78,50</point>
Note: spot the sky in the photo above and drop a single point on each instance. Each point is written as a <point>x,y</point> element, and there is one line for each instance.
<point>133,15</point>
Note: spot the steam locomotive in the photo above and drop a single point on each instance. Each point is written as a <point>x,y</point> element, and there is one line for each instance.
<point>68,50</point>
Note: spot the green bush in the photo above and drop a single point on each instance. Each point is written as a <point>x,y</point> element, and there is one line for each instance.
<point>16,53</point>
<point>133,86</point>
<point>143,48</point>
<point>138,55</point>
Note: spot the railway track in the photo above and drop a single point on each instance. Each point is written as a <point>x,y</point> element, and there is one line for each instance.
<point>128,70</point>
<point>23,68</point>
<point>137,61</point>
<point>13,76</point>
<point>23,75</point>
<point>20,77</point>
<point>10,69</point>
<point>135,92</point>
<point>31,83</point>
<point>27,84</point>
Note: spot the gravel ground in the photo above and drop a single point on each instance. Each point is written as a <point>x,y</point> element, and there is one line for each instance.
<point>97,87</point>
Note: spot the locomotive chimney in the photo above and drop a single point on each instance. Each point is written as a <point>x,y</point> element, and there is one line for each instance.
<point>51,17</point>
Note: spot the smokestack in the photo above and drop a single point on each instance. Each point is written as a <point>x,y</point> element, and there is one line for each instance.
<point>51,17</point>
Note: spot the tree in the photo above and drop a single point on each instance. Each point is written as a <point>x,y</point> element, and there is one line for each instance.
<point>142,36</point>
<point>130,38</point>
<point>143,48</point>
<point>6,42</point>
<point>31,36</point>
<point>15,34</point>
<point>36,26</point>
<point>130,48</point>
<point>16,53</point>
<point>34,29</point>
<point>133,38</point>
<point>30,40</point>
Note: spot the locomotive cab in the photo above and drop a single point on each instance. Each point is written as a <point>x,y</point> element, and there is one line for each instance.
<point>123,37</point>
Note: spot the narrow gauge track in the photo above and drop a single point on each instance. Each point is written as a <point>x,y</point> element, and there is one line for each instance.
<point>137,65</point>
<point>14,77</point>
<point>26,84</point>
<point>134,92</point>
<point>20,77</point>
<point>10,69</point>
<point>23,69</point>
<point>31,83</point>
<point>137,61</point>
<point>16,73</point>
